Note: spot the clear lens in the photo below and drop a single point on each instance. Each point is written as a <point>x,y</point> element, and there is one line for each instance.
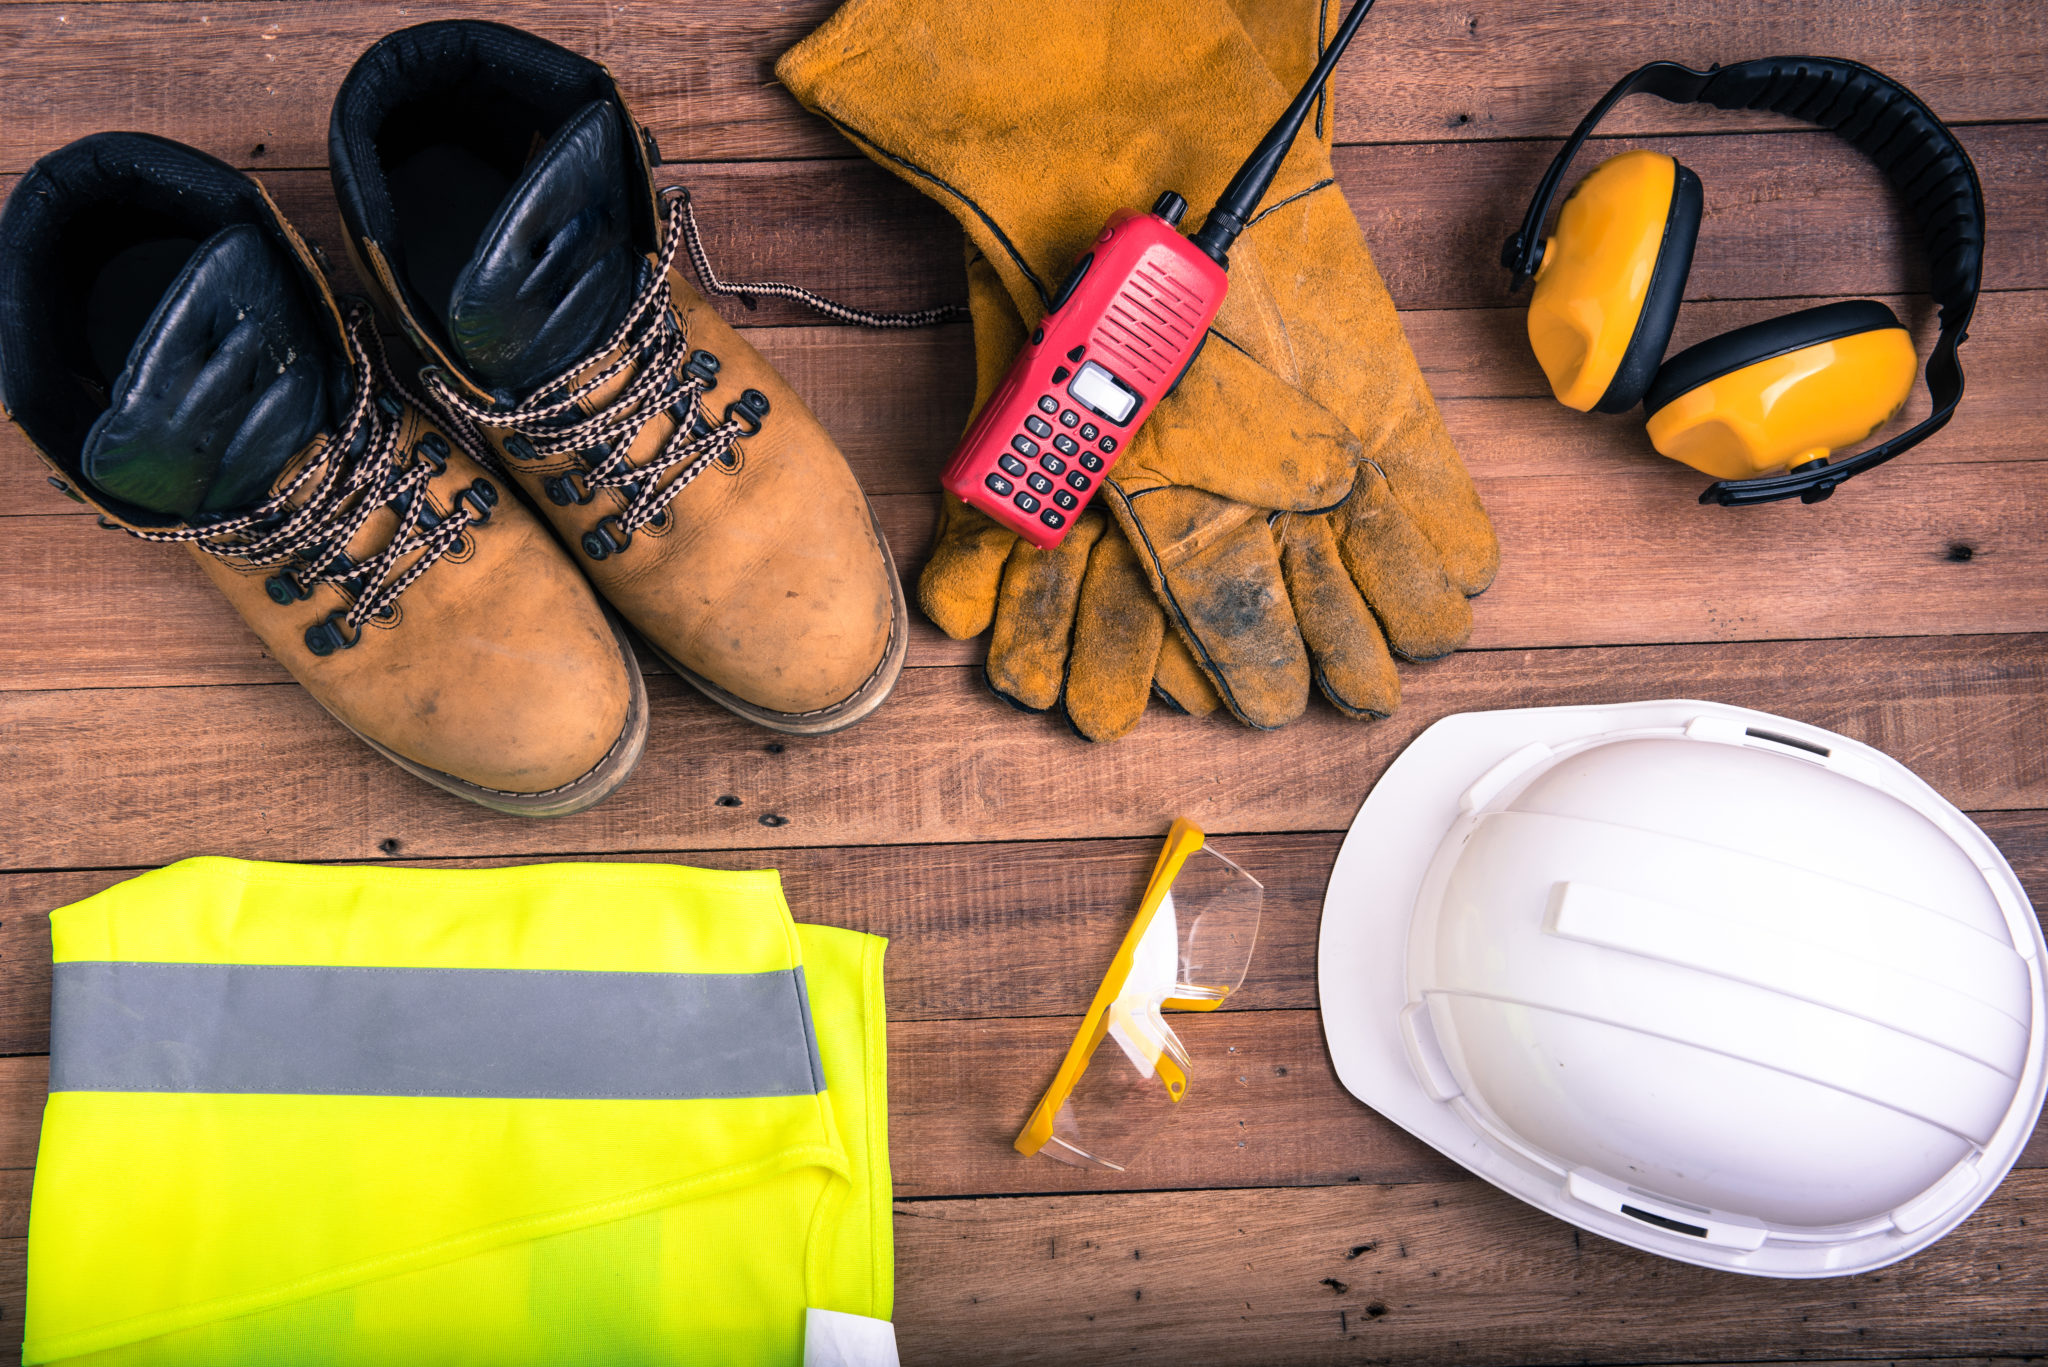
<point>1117,1107</point>
<point>1216,906</point>
<point>1192,956</point>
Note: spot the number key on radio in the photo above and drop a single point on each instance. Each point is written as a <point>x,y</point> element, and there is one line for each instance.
<point>1037,426</point>
<point>1091,461</point>
<point>998,483</point>
<point>1039,483</point>
<point>1024,446</point>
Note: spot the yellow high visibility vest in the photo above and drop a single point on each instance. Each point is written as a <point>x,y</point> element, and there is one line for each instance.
<point>600,1113</point>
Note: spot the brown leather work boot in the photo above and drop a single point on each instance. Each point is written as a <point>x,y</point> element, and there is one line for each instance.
<point>496,192</point>
<point>173,352</point>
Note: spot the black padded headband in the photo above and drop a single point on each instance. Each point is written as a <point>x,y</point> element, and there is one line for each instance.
<point>1892,127</point>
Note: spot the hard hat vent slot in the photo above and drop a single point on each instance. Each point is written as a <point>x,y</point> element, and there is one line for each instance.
<point>1664,1222</point>
<point>1777,739</point>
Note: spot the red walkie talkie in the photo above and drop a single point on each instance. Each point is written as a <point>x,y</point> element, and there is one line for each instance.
<point>1125,326</point>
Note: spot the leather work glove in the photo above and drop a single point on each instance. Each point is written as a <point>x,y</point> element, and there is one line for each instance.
<point>1298,493</point>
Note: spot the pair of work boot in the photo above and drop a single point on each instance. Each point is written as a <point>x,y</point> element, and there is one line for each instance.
<point>173,350</point>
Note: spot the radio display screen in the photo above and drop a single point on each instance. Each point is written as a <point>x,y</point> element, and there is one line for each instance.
<point>1102,393</point>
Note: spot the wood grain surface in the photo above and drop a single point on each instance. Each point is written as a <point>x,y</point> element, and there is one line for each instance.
<point>1278,1221</point>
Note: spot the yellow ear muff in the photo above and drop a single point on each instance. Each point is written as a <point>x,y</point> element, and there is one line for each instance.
<point>1608,286</point>
<point>1778,394</point>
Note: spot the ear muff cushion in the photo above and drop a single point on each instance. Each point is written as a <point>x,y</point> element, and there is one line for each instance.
<point>1718,356</point>
<point>1660,302</point>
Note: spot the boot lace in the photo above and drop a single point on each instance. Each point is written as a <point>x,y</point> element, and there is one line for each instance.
<point>668,378</point>
<point>305,528</point>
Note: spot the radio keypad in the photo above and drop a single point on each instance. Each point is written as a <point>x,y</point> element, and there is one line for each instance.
<point>1076,483</point>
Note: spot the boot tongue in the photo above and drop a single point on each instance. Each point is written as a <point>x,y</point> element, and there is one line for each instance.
<point>226,382</point>
<point>556,269</point>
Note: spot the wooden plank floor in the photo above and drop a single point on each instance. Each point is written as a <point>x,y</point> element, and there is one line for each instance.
<point>1281,1222</point>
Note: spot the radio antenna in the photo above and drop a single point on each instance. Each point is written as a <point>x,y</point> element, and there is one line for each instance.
<point>1240,199</point>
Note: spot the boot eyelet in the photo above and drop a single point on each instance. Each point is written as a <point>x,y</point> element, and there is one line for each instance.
<point>325,636</point>
<point>519,448</point>
<point>482,497</point>
<point>65,489</point>
<point>564,490</point>
<point>389,407</point>
<point>606,539</point>
<point>433,448</point>
<point>702,366</point>
<point>658,521</point>
<point>285,589</point>
<point>752,406</point>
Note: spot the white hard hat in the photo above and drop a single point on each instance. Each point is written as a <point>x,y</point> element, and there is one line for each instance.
<point>1715,984</point>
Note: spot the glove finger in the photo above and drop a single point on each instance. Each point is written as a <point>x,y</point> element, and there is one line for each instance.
<point>1179,682</point>
<point>1397,568</point>
<point>958,586</point>
<point>1346,649</point>
<point>1214,566</point>
<point>1117,630</point>
<point>1034,627</point>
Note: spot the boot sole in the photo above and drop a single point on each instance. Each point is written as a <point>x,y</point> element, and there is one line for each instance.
<point>848,710</point>
<point>575,796</point>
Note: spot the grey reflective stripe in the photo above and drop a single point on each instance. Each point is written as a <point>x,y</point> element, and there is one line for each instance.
<point>155,1027</point>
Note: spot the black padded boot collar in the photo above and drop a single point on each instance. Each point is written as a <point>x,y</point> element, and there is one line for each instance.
<point>556,270</point>
<point>465,64</point>
<point>227,382</point>
<point>59,225</point>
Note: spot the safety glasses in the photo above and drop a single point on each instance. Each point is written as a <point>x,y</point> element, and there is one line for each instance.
<point>1126,1071</point>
